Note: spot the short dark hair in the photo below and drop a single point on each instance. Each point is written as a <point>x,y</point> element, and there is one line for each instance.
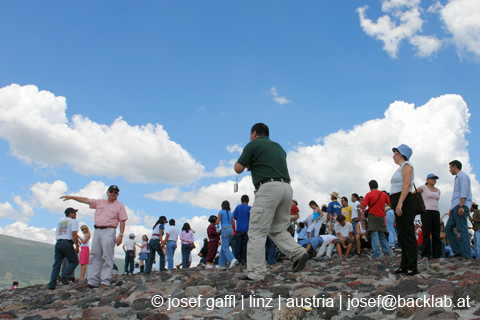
<point>245,199</point>
<point>373,184</point>
<point>355,195</point>
<point>261,129</point>
<point>172,222</point>
<point>456,163</point>
<point>340,218</point>
<point>301,225</point>
<point>212,219</point>
<point>345,198</point>
<point>475,206</point>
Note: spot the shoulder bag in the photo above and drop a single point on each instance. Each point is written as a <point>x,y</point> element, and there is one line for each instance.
<point>419,203</point>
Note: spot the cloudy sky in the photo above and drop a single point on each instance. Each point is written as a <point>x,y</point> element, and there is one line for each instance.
<point>159,98</point>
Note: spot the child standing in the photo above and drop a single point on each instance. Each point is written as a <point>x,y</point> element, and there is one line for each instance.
<point>129,248</point>
<point>143,252</point>
<point>84,252</point>
<point>213,238</point>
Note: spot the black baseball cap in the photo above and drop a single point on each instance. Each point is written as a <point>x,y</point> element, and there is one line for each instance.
<point>70,210</point>
<point>113,187</point>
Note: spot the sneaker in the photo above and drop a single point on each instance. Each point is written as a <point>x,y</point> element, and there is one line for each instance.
<point>300,264</point>
<point>233,263</point>
<point>209,266</point>
<point>219,267</point>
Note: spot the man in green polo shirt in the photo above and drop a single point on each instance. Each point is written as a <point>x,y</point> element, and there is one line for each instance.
<point>270,213</point>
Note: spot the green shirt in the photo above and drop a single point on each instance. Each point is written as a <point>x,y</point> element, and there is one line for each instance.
<point>266,159</point>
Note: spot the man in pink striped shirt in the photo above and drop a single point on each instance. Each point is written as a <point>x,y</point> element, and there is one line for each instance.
<point>108,214</point>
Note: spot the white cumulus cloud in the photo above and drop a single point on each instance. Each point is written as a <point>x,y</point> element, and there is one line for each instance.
<point>387,30</point>
<point>462,20</point>
<point>37,129</point>
<point>403,20</point>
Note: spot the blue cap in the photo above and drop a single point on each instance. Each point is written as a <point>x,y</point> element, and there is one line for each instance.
<point>404,150</point>
<point>431,175</point>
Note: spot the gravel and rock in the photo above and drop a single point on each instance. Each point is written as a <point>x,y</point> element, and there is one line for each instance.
<point>355,288</point>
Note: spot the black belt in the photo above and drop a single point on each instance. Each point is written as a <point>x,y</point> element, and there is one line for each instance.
<point>66,240</point>
<point>271,180</point>
<point>97,227</point>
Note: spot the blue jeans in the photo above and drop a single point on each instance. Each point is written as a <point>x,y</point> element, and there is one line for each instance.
<point>448,250</point>
<point>186,249</point>
<point>463,246</point>
<point>241,240</point>
<point>63,249</point>
<point>374,235</point>
<point>270,253</point>
<point>129,258</point>
<point>354,226</point>
<point>392,235</point>
<point>476,237</point>
<point>225,254</point>
<point>154,247</point>
<point>171,247</point>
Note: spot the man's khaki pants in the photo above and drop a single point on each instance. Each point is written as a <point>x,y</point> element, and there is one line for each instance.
<point>270,215</point>
<point>101,257</point>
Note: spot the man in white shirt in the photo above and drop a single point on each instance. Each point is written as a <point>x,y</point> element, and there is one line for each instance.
<point>67,237</point>
<point>170,242</point>
<point>356,212</point>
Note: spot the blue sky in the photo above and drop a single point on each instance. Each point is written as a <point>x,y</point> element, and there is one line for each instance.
<point>333,83</point>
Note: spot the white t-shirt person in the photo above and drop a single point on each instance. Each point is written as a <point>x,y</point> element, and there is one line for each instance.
<point>355,210</point>
<point>172,232</point>
<point>65,228</point>
<point>343,230</point>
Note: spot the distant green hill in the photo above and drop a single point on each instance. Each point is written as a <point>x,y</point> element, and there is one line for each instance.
<point>29,262</point>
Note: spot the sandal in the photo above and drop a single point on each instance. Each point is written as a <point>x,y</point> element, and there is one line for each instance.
<point>398,271</point>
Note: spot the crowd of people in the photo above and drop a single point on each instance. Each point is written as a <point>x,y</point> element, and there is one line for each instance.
<point>265,232</point>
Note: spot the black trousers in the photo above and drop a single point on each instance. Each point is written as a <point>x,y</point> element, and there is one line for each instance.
<point>431,224</point>
<point>406,231</point>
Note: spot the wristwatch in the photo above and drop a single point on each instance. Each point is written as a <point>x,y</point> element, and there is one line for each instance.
<point>120,234</point>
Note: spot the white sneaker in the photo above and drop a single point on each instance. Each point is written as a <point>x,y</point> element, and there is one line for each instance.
<point>209,266</point>
<point>233,263</point>
<point>219,267</point>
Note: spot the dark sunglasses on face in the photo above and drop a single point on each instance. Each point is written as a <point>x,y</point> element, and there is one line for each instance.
<point>112,191</point>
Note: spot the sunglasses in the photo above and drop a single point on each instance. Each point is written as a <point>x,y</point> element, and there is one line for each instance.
<point>112,191</point>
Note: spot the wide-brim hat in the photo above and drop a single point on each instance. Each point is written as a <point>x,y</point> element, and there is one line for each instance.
<point>334,194</point>
<point>404,150</point>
